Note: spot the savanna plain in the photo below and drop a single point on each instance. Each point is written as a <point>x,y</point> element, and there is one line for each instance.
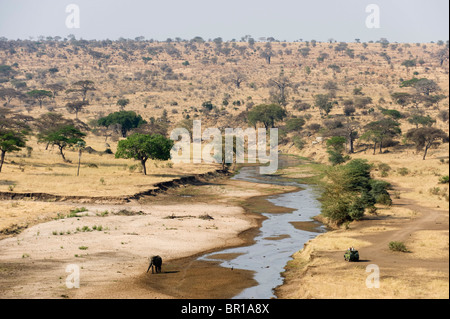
<point>369,122</point>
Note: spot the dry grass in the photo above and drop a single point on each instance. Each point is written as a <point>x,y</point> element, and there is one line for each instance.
<point>100,174</point>
<point>26,213</point>
<point>428,244</point>
<point>315,269</point>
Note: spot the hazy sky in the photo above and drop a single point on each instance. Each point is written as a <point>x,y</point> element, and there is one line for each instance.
<point>342,20</point>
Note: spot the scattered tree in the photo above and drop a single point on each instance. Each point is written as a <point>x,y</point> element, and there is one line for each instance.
<point>281,84</point>
<point>82,87</point>
<point>267,114</point>
<point>10,141</point>
<point>76,107</point>
<point>8,94</point>
<point>425,137</point>
<point>351,190</point>
<point>127,120</point>
<point>417,120</point>
<point>237,78</point>
<point>380,131</point>
<point>335,149</point>
<point>40,95</point>
<point>143,147</point>
<point>122,103</point>
<point>426,87</point>
<point>62,136</point>
<point>322,101</point>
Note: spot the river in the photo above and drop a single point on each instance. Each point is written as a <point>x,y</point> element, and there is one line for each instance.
<point>280,235</point>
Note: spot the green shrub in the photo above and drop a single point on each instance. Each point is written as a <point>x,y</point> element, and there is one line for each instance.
<point>294,124</point>
<point>397,246</point>
<point>356,209</point>
<point>351,191</point>
<point>298,142</point>
<point>444,179</point>
<point>435,190</point>
<point>403,171</point>
<point>384,169</point>
<point>380,193</point>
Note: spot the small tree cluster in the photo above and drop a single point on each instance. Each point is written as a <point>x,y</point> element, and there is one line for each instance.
<point>351,190</point>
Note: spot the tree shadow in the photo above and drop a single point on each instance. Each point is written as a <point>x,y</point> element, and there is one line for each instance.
<point>7,183</point>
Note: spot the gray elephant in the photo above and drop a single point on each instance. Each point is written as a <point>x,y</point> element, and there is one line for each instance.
<point>155,261</point>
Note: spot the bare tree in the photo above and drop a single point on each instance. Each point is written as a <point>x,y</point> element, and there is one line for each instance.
<point>237,78</point>
<point>82,87</point>
<point>281,84</point>
<point>8,94</point>
<point>75,107</point>
<point>268,54</point>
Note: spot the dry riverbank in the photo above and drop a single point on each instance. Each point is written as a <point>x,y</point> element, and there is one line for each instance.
<point>419,217</point>
<point>111,244</point>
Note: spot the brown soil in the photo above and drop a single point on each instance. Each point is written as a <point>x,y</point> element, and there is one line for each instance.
<point>402,275</point>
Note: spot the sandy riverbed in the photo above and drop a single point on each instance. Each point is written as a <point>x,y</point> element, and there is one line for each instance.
<point>112,249</point>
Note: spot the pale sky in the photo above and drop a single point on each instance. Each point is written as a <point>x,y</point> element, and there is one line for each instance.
<point>342,20</point>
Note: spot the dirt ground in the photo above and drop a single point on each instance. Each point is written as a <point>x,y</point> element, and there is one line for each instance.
<point>417,218</point>
<point>111,244</point>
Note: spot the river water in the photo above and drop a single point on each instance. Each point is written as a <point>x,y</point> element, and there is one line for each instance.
<point>278,238</point>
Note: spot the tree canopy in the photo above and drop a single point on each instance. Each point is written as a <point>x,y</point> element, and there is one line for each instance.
<point>425,137</point>
<point>267,114</point>
<point>380,131</point>
<point>143,147</point>
<point>351,190</point>
<point>128,120</point>
<point>40,95</point>
<point>10,141</point>
<point>62,136</point>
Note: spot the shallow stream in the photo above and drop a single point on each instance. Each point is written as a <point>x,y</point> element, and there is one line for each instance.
<point>280,235</point>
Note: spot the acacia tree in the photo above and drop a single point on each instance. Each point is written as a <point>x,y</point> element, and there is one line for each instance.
<point>40,95</point>
<point>122,103</point>
<point>127,120</point>
<point>409,64</point>
<point>425,137</point>
<point>62,137</point>
<point>402,98</point>
<point>267,114</point>
<point>380,131</point>
<point>76,107</point>
<point>143,147</point>
<point>281,84</point>
<point>417,120</point>
<point>8,94</point>
<point>426,87</point>
<point>10,141</point>
<point>55,88</point>
<point>13,131</point>
<point>54,129</point>
<point>322,101</point>
<point>82,87</point>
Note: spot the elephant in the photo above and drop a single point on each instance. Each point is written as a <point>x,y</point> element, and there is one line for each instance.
<point>155,261</point>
